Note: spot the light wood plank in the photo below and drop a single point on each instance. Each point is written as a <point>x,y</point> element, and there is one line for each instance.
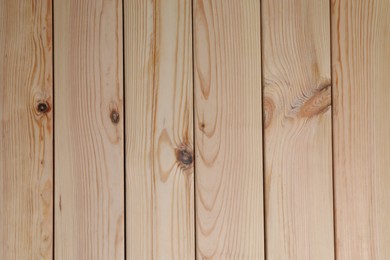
<point>26,130</point>
<point>89,146</point>
<point>139,71</point>
<point>228,129</point>
<point>159,123</point>
<point>298,141</point>
<point>361,69</point>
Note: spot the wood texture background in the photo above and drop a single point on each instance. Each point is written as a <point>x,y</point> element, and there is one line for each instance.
<point>228,129</point>
<point>163,126</point>
<point>89,143</point>
<point>297,136</point>
<point>361,69</point>
<point>26,133</point>
<point>159,128</point>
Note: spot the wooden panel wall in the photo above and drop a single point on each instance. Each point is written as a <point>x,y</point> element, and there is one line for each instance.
<point>89,142</point>
<point>228,129</point>
<point>166,116</point>
<point>361,69</point>
<point>26,130</point>
<point>298,141</point>
<point>159,129</point>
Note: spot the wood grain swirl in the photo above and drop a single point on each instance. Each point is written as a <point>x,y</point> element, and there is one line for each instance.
<point>26,131</point>
<point>228,130</point>
<point>298,153</point>
<point>361,69</point>
<point>159,130</point>
<point>89,145</point>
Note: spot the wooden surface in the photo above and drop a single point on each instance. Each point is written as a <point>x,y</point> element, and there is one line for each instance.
<point>298,153</point>
<point>228,130</point>
<point>361,69</point>
<point>159,130</point>
<point>26,132</point>
<point>174,121</point>
<point>89,142</point>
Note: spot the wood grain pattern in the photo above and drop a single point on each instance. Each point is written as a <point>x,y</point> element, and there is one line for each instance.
<point>298,153</point>
<point>361,69</point>
<point>159,135</point>
<point>26,132</point>
<point>89,146</point>
<point>228,130</point>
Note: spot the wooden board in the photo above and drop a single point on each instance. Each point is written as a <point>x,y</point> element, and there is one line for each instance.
<point>361,69</point>
<point>298,141</point>
<point>26,130</point>
<point>159,135</point>
<point>228,129</point>
<point>89,142</point>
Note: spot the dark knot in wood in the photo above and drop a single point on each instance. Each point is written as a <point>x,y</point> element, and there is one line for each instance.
<point>114,117</point>
<point>184,156</point>
<point>43,107</point>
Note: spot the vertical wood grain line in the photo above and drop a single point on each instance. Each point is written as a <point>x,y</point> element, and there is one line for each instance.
<point>263,131</point>
<point>54,134</point>
<point>124,129</point>
<point>194,124</point>
<point>332,132</point>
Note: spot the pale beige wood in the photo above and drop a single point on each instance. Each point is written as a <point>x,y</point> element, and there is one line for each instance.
<point>26,131</point>
<point>361,69</point>
<point>159,123</point>
<point>298,141</point>
<point>89,143</point>
<point>139,70</point>
<point>228,130</point>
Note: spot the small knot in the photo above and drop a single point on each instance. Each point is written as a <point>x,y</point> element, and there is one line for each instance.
<point>202,127</point>
<point>114,117</point>
<point>43,107</point>
<point>184,157</point>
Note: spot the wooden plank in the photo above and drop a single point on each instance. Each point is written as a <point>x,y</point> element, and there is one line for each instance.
<point>361,67</point>
<point>228,130</point>
<point>298,141</point>
<point>26,130</point>
<point>159,129</point>
<point>89,146</point>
